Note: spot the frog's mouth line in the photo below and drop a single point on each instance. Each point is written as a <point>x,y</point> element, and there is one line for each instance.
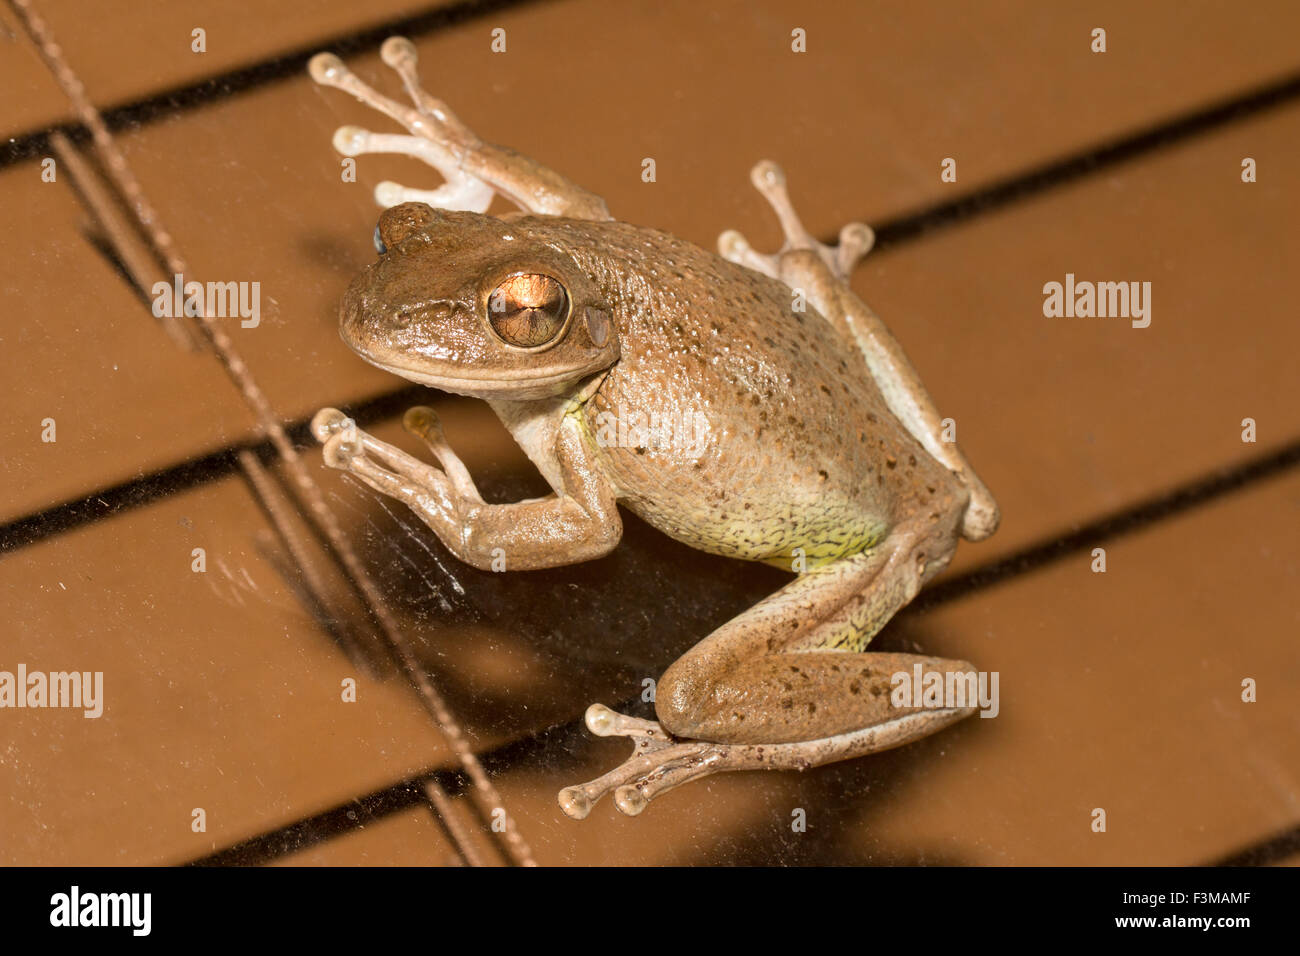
<point>475,386</point>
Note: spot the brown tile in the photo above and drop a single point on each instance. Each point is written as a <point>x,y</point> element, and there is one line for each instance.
<point>130,51</point>
<point>861,121</point>
<point>30,96</point>
<point>883,93</point>
<point>220,692</point>
<point>79,347</point>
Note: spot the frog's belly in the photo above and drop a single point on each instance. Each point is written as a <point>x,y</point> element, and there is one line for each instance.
<point>774,532</point>
<point>771,501</point>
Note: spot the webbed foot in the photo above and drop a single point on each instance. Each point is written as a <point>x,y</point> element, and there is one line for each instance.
<point>661,762</point>
<point>855,242</point>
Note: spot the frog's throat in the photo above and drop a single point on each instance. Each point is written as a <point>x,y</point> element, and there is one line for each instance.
<point>481,386</point>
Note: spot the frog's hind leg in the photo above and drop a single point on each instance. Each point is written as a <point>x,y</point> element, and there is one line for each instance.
<point>822,272</point>
<point>785,685</point>
<point>856,239</point>
<point>474,171</point>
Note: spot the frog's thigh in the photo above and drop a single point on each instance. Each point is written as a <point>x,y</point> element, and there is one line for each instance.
<point>790,668</point>
<point>898,381</point>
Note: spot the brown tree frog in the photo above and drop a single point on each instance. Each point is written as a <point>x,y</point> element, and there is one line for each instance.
<point>812,444</point>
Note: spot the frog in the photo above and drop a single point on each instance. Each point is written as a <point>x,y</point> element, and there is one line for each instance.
<point>817,448</point>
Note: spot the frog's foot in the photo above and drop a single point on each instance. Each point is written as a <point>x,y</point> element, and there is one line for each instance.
<point>661,762</point>
<point>437,137</point>
<point>474,171</point>
<point>580,525</point>
<point>654,753</point>
<point>855,242</point>
<point>392,471</point>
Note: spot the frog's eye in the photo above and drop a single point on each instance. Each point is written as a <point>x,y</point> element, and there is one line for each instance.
<point>528,311</point>
<point>379,243</point>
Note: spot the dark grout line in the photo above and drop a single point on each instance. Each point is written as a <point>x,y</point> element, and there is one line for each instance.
<point>1024,185</point>
<point>114,499</point>
<point>189,474</point>
<point>570,737</point>
<point>34,143</point>
<point>1126,521</point>
<point>348,817</point>
<point>324,826</point>
<point>1266,852</point>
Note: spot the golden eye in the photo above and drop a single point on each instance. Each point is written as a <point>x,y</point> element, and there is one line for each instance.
<point>528,311</point>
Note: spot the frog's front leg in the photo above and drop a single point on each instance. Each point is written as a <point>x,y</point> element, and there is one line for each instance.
<point>783,686</point>
<point>474,170</point>
<point>579,523</point>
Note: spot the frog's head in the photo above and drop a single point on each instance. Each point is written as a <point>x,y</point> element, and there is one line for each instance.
<point>471,304</point>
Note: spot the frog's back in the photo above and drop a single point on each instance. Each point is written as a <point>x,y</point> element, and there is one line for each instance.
<point>733,421</point>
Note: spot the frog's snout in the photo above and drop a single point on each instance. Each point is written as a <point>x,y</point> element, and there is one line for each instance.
<point>374,327</point>
<point>359,329</point>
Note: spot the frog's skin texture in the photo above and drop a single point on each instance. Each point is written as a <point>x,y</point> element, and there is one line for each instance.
<point>816,447</point>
